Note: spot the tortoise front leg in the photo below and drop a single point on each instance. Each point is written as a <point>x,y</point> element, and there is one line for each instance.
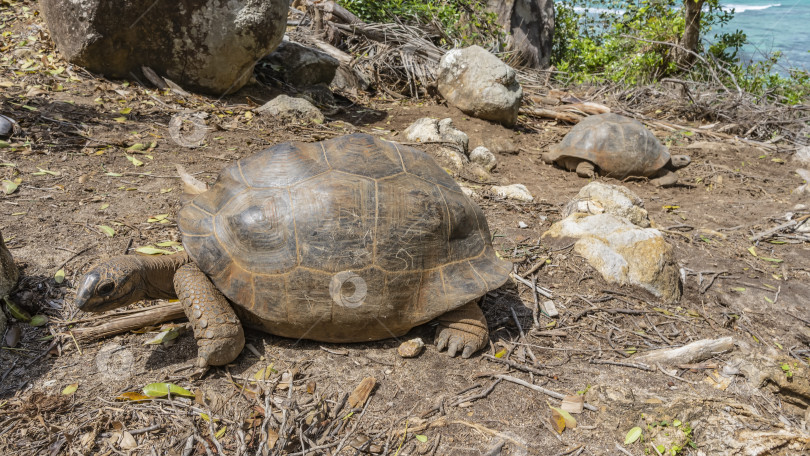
<point>664,178</point>
<point>463,329</point>
<point>585,169</point>
<point>219,334</point>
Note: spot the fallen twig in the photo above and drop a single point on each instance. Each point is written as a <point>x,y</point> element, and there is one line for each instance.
<point>148,317</point>
<point>540,389</point>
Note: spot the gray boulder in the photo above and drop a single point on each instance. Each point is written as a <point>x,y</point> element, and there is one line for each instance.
<point>529,26</point>
<point>284,107</point>
<point>303,66</point>
<point>209,45</point>
<point>480,84</point>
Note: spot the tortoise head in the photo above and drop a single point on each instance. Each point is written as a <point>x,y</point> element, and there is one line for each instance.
<point>679,161</point>
<point>111,284</point>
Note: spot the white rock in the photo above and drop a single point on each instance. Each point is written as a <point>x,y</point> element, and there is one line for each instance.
<point>484,157</point>
<point>598,198</point>
<point>803,156</point>
<point>623,252</point>
<point>287,108</point>
<point>515,191</point>
<point>480,84</point>
<point>427,129</point>
<point>522,225</point>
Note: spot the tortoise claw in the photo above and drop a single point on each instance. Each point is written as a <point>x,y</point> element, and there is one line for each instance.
<point>468,351</point>
<point>455,344</point>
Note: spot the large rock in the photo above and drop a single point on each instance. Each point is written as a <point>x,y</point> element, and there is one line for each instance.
<point>480,84</point>
<point>205,45</point>
<point>302,66</point>
<point>624,253</point>
<point>529,26</point>
<point>598,198</point>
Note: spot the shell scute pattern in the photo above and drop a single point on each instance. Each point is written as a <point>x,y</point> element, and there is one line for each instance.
<point>291,217</point>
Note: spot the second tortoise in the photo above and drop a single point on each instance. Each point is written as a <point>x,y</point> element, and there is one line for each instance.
<point>351,239</point>
<point>616,146</point>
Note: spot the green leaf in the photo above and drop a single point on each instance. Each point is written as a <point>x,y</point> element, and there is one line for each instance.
<point>59,277</point>
<point>106,230</point>
<point>134,160</point>
<point>163,389</point>
<point>772,260</point>
<point>136,147</point>
<point>149,250</point>
<point>421,438</point>
<point>125,111</point>
<point>632,435</point>
<point>752,250</point>
<point>43,172</point>
<point>10,187</point>
<point>164,336</point>
<point>570,421</point>
<point>38,320</point>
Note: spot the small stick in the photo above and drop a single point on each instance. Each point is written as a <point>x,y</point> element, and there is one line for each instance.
<point>621,448</point>
<point>148,317</point>
<point>477,396</point>
<point>517,366</point>
<point>543,291</point>
<point>540,389</point>
<point>641,366</point>
<point>675,376</point>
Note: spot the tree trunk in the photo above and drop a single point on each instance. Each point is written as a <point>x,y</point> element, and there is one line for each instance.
<point>691,34</point>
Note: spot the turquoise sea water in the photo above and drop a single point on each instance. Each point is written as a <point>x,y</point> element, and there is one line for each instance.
<point>770,25</point>
<point>774,25</point>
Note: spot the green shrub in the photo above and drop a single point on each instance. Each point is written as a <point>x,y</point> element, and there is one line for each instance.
<point>461,22</point>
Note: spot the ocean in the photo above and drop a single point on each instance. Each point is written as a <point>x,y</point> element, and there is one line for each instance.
<point>775,25</point>
<point>782,25</point>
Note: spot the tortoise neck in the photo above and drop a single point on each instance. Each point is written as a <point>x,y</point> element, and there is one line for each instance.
<point>158,274</point>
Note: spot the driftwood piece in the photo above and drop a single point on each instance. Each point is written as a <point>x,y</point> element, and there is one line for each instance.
<point>117,325</point>
<point>691,353</point>
<point>334,11</point>
<point>551,114</point>
<point>587,107</point>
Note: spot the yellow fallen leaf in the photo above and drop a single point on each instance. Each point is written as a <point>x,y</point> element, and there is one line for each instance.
<point>59,277</point>
<point>70,389</point>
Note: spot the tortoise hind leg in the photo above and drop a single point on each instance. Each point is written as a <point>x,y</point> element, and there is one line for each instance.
<point>463,329</point>
<point>219,334</point>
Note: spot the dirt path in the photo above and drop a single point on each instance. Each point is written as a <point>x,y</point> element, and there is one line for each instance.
<point>96,158</point>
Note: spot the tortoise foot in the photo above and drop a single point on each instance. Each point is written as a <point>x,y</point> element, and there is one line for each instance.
<point>586,169</point>
<point>219,333</point>
<point>665,178</point>
<point>463,330</point>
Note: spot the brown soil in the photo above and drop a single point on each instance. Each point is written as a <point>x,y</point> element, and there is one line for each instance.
<point>79,172</point>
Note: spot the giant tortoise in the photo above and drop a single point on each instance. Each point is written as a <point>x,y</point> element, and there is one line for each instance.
<point>8,279</point>
<point>348,240</point>
<point>619,147</point>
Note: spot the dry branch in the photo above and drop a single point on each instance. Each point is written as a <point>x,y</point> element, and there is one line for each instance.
<point>117,325</point>
<point>551,114</point>
<point>691,353</point>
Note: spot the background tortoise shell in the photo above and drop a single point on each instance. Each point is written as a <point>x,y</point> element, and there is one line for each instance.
<point>280,227</point>
<point>617,145</point>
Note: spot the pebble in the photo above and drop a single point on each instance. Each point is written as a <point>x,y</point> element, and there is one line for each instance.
<point>411,348</point>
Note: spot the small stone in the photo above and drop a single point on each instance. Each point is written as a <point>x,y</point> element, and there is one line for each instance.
<point>411,348</point>
<point>484,157</point>
<point>479,172</point>
<point>522,225</point>
<point>501,145</point>
<point>289,108</point>
<point>517,192</point>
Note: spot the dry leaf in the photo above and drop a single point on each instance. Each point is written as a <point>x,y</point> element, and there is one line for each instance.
<point>557,422</point>
<point>573,404</point>
<point>127,441</point>
<point>361,393</point>
<point>70,389</point>
<point>570,421</point>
